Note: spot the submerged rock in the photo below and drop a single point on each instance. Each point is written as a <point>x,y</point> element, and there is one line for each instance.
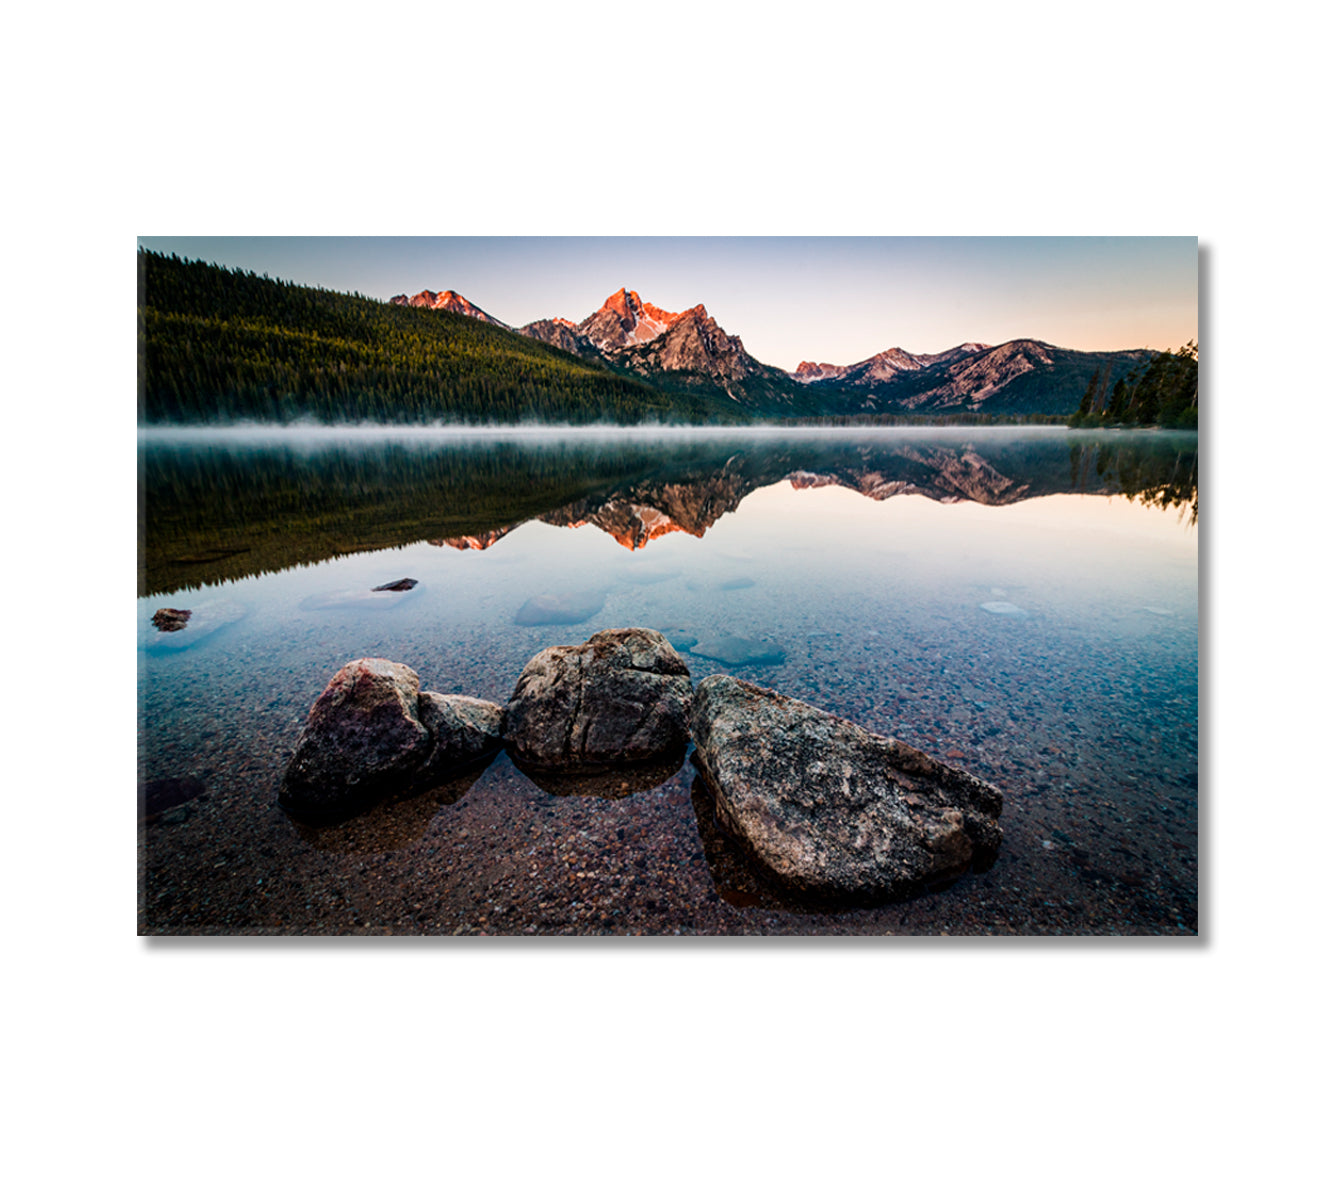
<point>680,638</point>
<point>388,826</point>
<point>366,599</point>
<point>621,697</point>
<point>1003,608</point>
<point>563,608</point>
<point>398,585</point>
<point>739,651</point>
<point>157,796</point>
<point>372,735</point>
<point>829,808</point>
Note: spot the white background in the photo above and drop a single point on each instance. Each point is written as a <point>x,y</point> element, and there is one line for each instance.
<point>1042,1068</point>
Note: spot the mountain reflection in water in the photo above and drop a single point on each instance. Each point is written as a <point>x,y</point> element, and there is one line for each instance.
<point>218,510</point>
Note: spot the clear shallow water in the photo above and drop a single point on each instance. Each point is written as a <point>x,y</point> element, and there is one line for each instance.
<point>1042,635</point>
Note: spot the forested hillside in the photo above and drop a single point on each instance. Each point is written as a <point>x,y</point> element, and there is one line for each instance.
<point>225,345</point>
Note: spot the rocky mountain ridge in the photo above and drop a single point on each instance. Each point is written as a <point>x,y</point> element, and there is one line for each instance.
<point>625,320</point>
<point>450,302</point>
<point>690,352</point>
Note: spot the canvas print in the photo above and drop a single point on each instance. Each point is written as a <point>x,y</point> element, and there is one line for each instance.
<point>535,587</point>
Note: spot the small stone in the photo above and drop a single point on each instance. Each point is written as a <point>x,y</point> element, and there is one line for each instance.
<point>169,620</point>
<point>207,618</point>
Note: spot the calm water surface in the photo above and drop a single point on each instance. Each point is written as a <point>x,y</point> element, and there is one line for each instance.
<point>1020,603</point>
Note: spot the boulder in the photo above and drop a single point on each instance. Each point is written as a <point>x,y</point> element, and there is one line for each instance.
<point>462,728</point>
<point>621,697</point>
<point>831,809</point>
<point>398,585</point>
<point>363,739</point>
<point>373,734</point>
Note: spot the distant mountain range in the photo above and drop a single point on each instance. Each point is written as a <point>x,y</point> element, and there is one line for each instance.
<point>690,352</point>
<point>218,345</point>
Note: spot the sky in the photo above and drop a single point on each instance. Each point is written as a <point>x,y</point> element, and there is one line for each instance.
<point>823,299</point>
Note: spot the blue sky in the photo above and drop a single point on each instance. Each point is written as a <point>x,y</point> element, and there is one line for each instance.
<point>827,299</point>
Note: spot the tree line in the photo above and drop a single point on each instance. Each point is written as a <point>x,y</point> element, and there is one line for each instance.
<point>1164,392</point>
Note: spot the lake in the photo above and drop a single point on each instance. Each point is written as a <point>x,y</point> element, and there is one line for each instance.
<point>1021,603</point>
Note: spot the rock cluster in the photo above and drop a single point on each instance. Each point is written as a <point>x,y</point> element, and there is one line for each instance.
<point>823,806</point>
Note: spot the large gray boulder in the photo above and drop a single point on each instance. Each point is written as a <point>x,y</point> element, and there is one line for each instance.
<point>372,734</point>
<point>829,808</point>
<point>621,697</point>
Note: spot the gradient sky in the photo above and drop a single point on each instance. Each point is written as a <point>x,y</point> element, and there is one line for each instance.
<point>826,299</point>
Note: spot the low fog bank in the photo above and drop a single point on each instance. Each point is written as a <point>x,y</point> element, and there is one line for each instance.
<point>254,433</point>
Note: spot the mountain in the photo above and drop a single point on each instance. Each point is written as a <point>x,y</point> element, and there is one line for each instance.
<point>625,320</point>
<point>557,331</point>
<point>689,354</point>
<point>696,355</point>
<point>882,367</point>
<point>879,368</point>
<point>1017,378</point>
<point>449,302</point>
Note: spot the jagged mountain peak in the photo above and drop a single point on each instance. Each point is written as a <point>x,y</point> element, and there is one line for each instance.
<point>624,302</point>
<point>449,301</point>
<point>625,319</point>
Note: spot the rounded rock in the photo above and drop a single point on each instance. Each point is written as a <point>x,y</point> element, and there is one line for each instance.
<point>623,696</point>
